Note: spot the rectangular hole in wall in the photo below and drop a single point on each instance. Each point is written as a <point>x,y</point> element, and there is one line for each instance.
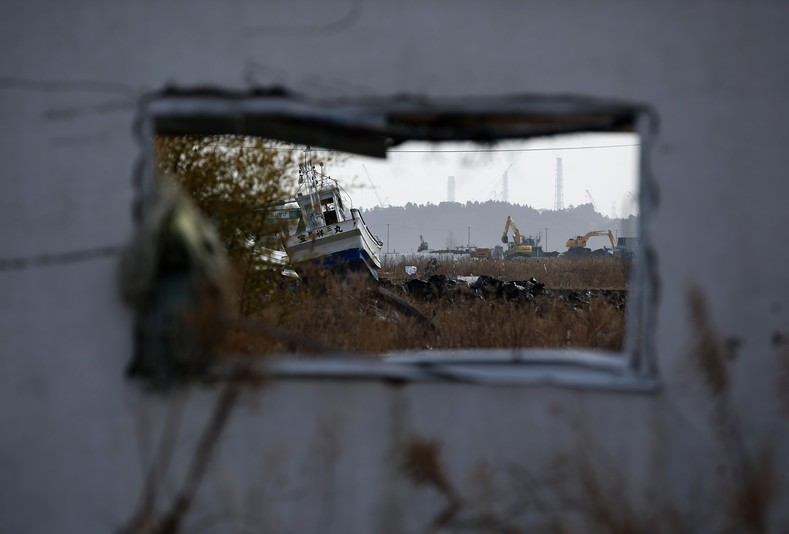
<point>498,232</point>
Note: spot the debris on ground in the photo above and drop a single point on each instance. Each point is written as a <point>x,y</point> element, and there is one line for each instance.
<point>440,287</point>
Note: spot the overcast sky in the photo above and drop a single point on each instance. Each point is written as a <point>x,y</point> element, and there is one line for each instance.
<point>603,164</point>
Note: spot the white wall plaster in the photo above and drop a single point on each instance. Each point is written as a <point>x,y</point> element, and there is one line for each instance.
<point>321,456</point>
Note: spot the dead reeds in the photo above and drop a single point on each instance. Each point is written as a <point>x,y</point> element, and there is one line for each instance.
<point>345,312</point>
<point>591,272</point>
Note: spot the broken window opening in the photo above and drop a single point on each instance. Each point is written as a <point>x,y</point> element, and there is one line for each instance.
<point>281,228</point>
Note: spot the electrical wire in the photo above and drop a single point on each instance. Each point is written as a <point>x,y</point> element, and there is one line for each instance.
<point>517,149</point>
<point>470,150</point>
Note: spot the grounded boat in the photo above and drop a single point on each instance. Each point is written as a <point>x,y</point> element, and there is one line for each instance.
<point>328,233</point>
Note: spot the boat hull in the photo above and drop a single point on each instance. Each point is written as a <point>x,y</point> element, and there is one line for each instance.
<point>345,245</point>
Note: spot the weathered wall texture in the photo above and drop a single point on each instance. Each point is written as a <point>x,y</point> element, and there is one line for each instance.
<point>76,439</point>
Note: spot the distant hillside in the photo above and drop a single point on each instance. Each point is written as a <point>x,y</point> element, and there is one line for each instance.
<point>447,224</point>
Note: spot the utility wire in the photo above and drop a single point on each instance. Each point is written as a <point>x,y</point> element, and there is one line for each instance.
<point>470,150</point>
<point>518,149</point>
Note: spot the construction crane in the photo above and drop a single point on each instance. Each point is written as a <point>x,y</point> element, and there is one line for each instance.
<point>594,206</point>
<point>375,189</point>
<point>505,185</point>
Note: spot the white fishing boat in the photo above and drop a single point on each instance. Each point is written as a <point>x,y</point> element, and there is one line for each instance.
<point>329,233</point>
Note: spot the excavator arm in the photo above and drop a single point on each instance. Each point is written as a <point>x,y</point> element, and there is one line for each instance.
<point>516,238</point>
<point>600,233</point>
<point>580,241</point>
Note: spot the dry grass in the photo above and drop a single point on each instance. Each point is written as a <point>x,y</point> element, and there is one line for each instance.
<point>345,313</point>
<point>593,272</point>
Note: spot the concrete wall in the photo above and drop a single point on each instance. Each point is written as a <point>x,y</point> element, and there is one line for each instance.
<point>326,455</point>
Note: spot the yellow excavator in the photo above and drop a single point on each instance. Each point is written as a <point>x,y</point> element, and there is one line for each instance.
<point>577,245</point>
<point>520,247</point>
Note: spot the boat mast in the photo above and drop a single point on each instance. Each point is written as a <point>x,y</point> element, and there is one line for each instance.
<point>307,172</point>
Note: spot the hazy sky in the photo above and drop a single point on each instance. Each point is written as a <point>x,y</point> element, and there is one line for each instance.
<point>408,175</point>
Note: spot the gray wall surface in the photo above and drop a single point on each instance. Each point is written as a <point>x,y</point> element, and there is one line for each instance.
<point>326,455</point>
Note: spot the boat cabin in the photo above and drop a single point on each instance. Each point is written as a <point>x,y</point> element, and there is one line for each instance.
<point>321,208</point>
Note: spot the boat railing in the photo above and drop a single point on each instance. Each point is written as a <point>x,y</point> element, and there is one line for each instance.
<point>354,213</point>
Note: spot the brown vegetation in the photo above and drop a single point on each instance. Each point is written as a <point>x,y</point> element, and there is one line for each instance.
<point>592,272</point>
<point>345,312</point>
<point>235,181</point>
